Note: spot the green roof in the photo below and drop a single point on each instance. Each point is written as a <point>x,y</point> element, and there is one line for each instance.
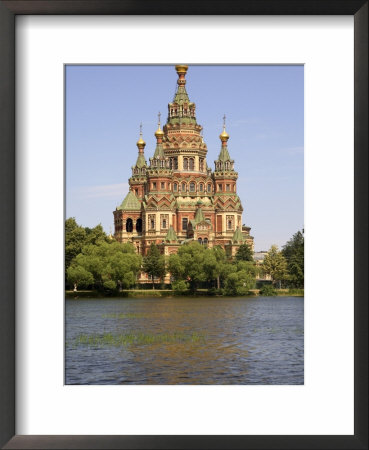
<point>224,154</point>
<point>171,235</point>
<point>159,152</point>
<point>181,96</point>
<point>237,236</point>
<point>141,162</point>
<point>130,203</point>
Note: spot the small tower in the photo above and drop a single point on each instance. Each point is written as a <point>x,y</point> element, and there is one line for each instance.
<point>227,202</point>
<point>159,161</point>
<point>138,180</point>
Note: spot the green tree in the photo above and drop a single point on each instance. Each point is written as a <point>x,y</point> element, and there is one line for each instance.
<point>75,239</point>
<point>275,265</point>
<point>216,265</point>
<point>154,264</point>
<point>111,264</point>
<point>79,276</point>
<point>293,251</point>
<point>189,264</point>
<point>244,253</point>
<point>95,235</point>
<point>241,279</point>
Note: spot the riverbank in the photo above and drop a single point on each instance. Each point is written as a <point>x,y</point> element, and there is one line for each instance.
<point>159,293</point>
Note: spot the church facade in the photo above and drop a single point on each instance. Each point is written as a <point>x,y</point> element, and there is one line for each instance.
<point>176,198</point>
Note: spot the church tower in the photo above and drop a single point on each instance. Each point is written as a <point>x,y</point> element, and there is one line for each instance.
<point>177,198</point>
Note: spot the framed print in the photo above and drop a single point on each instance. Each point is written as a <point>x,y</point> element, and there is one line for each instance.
<point>42,40</point>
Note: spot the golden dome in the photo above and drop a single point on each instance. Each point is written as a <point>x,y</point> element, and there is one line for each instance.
<point>181,69</point>
<point>141,143</point>
<point>224,136</point>
<point>159,132</point>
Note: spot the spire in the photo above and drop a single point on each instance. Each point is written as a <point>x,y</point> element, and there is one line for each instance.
<point>181,110</point>
<point>159,151</point>
<point>224,136</point>
<point>181,95</point>
<point>141,146</point>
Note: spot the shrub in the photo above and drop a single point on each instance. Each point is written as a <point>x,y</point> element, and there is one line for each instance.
<point>179,286</point>
<point>268,290</point>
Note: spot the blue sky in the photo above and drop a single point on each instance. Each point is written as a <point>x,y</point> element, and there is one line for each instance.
<point>264,106</point>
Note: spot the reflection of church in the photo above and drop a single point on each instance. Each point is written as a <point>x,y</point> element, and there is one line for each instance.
<point>177,198</point>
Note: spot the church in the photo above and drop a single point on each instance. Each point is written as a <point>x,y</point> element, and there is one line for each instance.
<point>176,198</point>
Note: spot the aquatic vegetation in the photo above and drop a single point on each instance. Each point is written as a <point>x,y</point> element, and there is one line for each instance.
<point>121,340</point>
<point>123,316</point>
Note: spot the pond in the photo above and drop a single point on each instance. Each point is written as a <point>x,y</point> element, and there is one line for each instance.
<point>185,340</point>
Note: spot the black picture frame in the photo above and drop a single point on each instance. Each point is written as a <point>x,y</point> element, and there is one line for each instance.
<point>8,12</point>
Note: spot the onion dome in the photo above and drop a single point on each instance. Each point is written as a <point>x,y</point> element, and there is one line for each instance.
<point>224,136</point>
<point>159,133</point>
<point>141,143</point>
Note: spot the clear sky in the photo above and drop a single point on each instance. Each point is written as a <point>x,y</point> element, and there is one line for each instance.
<point>264,106</point>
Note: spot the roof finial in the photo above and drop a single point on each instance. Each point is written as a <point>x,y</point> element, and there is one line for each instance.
<point>159,132</point>
<point>224,136</point>
<point>181,70</point>
<point>141,143</point>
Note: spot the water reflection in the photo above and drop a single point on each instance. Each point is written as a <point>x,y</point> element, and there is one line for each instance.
<point>153,341</point>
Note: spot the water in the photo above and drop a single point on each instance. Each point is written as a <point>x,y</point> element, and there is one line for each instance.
<point>185,341</point>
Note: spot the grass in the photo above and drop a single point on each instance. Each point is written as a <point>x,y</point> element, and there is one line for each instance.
<point>122,340</point>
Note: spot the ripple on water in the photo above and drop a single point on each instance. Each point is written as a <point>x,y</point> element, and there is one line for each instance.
<point>185,341</point>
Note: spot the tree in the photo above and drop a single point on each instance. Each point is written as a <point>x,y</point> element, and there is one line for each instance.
<point>95,235</point>
<point>78,275</point>
<point>189,264</point>
<point>241,280</point>
<point>154,263</point>
<point>75,239</point>
<point>244,253</point>
<point>111,264</point>
<point>293,251</point>
<point>275,264</point>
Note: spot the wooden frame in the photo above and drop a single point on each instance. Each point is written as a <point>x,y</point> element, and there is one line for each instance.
<point>8,11</point>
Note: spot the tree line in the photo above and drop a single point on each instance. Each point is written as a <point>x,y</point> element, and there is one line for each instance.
<point>95,260</point>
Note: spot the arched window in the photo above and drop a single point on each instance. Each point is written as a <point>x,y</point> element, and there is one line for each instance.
<point>205,241</point>
<point>175,187</point>
<point>129,225</point>
<point>185,163</point>
<point>192,186</point>
<point>209,187</point>
<point>199,240</point>
<point>191,164</point>
<point>139,225</point>
<point>183,187</point>
<point>201,187</point>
